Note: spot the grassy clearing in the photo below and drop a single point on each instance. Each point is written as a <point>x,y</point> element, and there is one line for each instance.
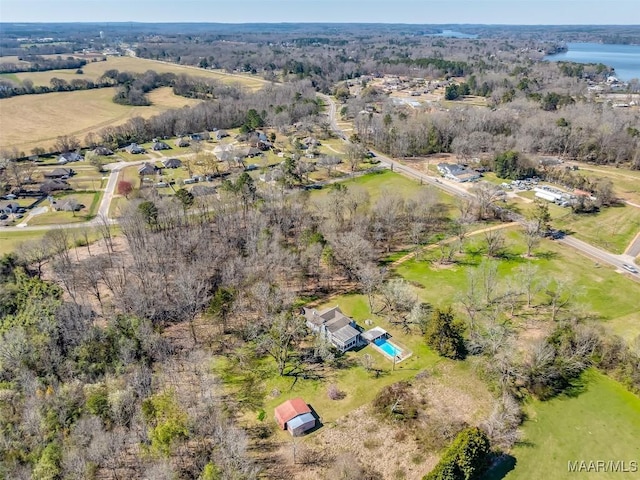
<point>600,423</point>
<point>72,113</point>
<point>90,202</point>
<point>379,183</point>
<point>603,291</point>
<point>10,240</point>
<point>626,182</point>
<point>94,70</point>
<point>612,228</point>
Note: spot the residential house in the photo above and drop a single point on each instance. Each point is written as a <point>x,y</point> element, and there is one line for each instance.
<point>458,173</point>
<point>335,326</point>
<point>134,149</point>
<point>70,157</point>
<point>295,416</point>
<point>53,185</point>
<point>59,173</point>
<point>104,151</point>
<point>182,142</point>
<point>172,163</point>
<point>9,207</point>
<point>160,146</point>
<point>220,134</point>
<point>147,169</point>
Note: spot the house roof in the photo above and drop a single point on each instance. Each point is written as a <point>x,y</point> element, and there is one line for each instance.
<point>375,332</point>
<point>58,172</point>
<point>172,162</point>
<point>345,334</point>
<point>332,318</point>
<point>300,420</point>
<point>291,409</point>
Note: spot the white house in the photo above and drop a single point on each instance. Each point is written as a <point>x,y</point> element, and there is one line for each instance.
<point>334,326</point>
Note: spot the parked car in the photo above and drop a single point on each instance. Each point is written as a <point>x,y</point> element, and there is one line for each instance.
<point>629,268</point>
<point>19,215</point>
<point>4,216</point>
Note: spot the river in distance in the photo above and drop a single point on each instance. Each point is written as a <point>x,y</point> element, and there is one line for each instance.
<point>624,58</point>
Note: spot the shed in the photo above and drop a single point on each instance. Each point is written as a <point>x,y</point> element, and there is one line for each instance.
<point>301,424</point>
<point>287,412</point>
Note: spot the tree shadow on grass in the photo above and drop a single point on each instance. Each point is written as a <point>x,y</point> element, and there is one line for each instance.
<point>577,387</point>
<point>501,466</point>
<point>546,255</point>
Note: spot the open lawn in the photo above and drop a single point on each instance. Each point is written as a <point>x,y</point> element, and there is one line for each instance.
<point>94,70</point>
<point>11,239</point>
<point>89,200</point>
<point>72,113</point>
<point>612,228</point>
<point>602,291</point>
<point>599,421</point>
<point>377,183</point>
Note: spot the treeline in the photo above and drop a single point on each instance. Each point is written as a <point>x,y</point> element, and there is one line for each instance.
<point>588,132</point>
<point>277,106</point>
<point>131,87</point>
<point>41,64</point>
<point>448,68</point>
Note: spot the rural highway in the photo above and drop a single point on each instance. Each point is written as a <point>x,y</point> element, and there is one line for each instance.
<point>585,248</point>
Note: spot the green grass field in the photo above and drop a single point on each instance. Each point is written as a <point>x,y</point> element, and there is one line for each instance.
<point>600,423</point>
<point>612,228</point>
<point>603,291</point>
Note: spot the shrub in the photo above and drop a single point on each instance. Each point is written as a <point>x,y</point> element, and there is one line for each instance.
<point>465,459</point>
<point>334,393</point>
<point>396,402</point>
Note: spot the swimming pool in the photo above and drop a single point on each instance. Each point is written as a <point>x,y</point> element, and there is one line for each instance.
<point>388,347</point>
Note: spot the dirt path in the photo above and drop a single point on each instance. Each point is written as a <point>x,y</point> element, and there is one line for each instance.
<point>411,255</point>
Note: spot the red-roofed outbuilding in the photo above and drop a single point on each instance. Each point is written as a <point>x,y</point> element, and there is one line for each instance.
<point>292,409</point>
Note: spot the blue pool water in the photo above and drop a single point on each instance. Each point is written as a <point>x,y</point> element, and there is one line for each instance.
<point>388,348</point>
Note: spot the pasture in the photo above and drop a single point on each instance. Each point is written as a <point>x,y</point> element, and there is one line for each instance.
<point>94,70</point>
<point>599,420</point>
<point>30,121</point>
<point>609,295</point>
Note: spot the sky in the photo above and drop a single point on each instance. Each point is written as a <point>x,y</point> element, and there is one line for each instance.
<point>515,12</point>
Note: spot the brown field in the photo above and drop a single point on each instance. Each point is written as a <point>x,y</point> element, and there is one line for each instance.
<point>93,70</point>
<point>29,121</point>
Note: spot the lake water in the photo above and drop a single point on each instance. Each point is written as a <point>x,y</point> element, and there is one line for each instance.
<point>624,58</point>
<point>453,34</point>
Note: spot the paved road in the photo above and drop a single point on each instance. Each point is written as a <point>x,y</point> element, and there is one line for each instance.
<point>456,190</point>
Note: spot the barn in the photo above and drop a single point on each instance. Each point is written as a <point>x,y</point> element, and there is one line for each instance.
<point>295,415</point>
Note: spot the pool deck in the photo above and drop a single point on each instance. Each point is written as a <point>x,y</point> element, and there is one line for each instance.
<point>406,353</point>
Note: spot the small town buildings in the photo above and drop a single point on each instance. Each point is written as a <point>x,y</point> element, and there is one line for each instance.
<point>458,173</point>
<point>295,416</point>
<point>335,326</point>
